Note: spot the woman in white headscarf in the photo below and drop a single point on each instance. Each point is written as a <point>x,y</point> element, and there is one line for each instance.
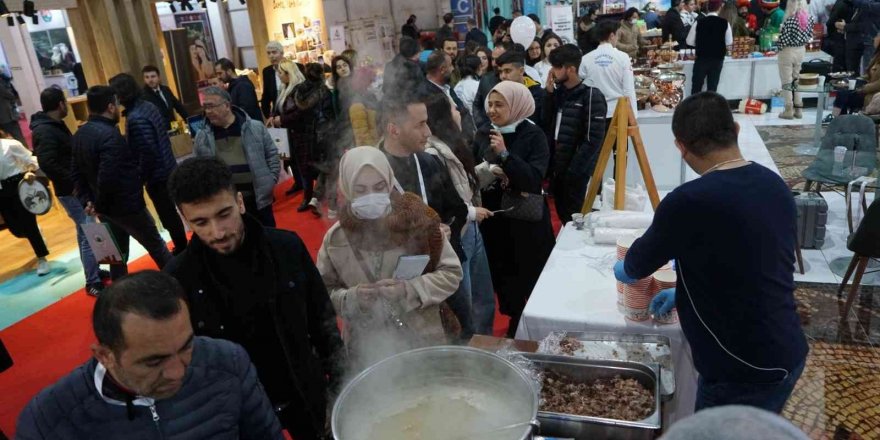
<point>517,248</point>
<point>360,254</point>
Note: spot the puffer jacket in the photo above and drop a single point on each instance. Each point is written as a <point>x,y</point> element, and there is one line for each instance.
<point>582,128</point>
<point>105,170</point>
<point>363,124</point>
<point>261,152</point>
<point>51,140</point>
<point>221,398</point>
<point>145,130</point>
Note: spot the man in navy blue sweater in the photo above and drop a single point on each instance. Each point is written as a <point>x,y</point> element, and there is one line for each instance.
<point>731,233</point>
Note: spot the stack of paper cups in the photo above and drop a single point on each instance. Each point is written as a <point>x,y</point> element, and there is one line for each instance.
<point>636,298</point>
<point>665,279</point>
<point>623,244</point>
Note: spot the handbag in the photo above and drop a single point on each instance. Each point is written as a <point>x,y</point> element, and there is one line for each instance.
<point>522,205</point>
<point>821,67</point>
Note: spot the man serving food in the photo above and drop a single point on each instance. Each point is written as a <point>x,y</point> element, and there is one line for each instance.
<point>732,235</point>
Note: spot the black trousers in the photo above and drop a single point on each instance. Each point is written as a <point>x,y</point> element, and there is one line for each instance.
<point>139,225</point>
<point>706,71</point>
<point>20,221</point>
<point>168,214</point>
<point>854,49</point>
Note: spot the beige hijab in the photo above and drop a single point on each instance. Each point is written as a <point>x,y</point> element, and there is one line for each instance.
<point>519,99</point>
<point>355,160</point>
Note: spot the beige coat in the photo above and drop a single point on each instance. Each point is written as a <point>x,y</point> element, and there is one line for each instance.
<point>629,40</point>
<point>419,310</point>
<point>456,171</point>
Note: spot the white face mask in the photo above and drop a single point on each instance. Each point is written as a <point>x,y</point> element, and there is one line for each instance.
<point>633,21</point>
<point>371,206</point>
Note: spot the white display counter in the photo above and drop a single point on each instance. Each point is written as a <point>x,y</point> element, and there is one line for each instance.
<point>742,78</point>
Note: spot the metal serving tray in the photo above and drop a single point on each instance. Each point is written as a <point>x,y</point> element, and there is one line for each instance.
<point>583,427</point>
<point>652,344</point>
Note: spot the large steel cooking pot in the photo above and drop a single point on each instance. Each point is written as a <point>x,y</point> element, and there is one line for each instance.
<point>376,396</point>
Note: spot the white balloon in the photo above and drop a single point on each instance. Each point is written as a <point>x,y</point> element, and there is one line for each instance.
<point>523,31</point>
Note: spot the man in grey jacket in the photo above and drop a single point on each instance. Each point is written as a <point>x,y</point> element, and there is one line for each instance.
<point>150,374</point>
<point>246,146</point>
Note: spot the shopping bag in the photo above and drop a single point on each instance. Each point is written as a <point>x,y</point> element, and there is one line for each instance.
<point>103,243</point>
<point>279,135</point>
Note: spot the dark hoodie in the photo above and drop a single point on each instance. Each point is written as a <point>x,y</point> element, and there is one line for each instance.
<point>244,96</point>
<point>51,140</point>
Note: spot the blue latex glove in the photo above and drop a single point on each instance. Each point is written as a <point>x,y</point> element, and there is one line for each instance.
<point>620,274</point>
<point>663,303</point>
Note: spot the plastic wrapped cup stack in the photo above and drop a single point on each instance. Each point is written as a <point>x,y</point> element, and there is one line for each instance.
<point>665,279</point>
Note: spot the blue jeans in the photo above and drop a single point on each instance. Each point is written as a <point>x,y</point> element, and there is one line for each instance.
<point>769,396</point>
<point>76,213</point>
<point>477,275</point>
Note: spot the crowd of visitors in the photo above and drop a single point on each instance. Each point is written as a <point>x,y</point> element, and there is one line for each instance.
<point>446,166</point>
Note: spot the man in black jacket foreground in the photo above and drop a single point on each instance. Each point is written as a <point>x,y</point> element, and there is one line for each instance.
<point>406,132</point>
<point>151,377</point>
<point>107,180</point>
<point>51,140</point>
<point>258,287</point>
<point>577,113</point>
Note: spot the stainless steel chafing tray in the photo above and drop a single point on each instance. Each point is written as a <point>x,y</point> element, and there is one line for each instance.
<point>584,427</point>
<point>656,349</point>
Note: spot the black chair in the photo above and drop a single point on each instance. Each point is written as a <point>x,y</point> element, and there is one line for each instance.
<point>865,245</point>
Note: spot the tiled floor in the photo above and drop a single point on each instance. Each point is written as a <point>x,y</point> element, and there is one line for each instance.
<point>838,395</point>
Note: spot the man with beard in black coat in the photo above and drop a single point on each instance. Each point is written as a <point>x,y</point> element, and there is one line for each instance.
<point>578,114</point>
<point>258,287</point>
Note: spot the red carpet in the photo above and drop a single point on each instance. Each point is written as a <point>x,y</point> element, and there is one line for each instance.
<point>53,341</point>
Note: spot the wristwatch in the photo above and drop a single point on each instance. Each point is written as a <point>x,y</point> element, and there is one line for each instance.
<point>502,156</point>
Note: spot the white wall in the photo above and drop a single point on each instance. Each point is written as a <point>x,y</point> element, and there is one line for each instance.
<point>241,32</point>
<point>429,12</point>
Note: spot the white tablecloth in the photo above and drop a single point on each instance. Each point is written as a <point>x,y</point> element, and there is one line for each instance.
<point>577,292</point>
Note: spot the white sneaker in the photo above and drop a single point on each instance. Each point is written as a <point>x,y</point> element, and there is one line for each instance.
<point>332,214</point>
<point>314,203</point>
<point>43,267</point>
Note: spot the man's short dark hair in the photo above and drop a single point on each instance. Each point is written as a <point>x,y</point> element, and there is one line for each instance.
<point>565,56</point>
<point>126,88</point>
<point>151,68</point>
<point>447,17</point>
<point>149,293</point>
<point>409,47</point>
<point>51,97</point>
<point>506,45</point>
<point>225,64</point>
<point>605,29</point>
<point>199,178</point>
<point>449,39</point>
<point>497,10</point>
<point>436,60</point>
<point>535,18</point>
<point>511,57</point>
<point>676,3</point>
<point>469,65</point>
<point>703,123</point>
<point>396,107</point>
<point>99,97</point>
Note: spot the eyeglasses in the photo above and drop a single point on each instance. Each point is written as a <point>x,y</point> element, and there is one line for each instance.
<point>209,106</point>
